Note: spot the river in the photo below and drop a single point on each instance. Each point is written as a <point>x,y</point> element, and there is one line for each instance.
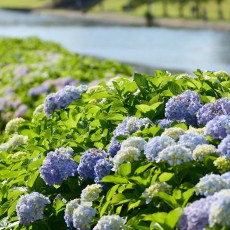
<point>158,48</point>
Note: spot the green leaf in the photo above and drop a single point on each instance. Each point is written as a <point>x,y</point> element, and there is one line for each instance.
<point>134,205</point>
<point>32,179</point>
<point>111,192</point>
<point>125,169</point>
<point>165,176</point>
<point>143,108</point>
<point>170,200</point>
<point>141,169</point>
<point>105,206</point>
<point>174,88</point>
<point>173,217</point>
<point>187,195</point>
<point>114,179</point>
<point>158,217</point>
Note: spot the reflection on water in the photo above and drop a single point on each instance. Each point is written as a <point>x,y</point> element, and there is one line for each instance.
<point>162,48</point>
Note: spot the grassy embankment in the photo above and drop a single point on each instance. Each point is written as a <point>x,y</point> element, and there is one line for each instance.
<point>108,6</point>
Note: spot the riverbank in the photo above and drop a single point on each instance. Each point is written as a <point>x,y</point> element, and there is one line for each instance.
<point>115,19</point>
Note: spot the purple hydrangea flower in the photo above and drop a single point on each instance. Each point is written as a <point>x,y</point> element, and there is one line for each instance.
<point>164,123</point>
<point>208,111</point>
<point>30,207</point>
<point>58,166</point>
<point>101,169</point>
<point>43,88</point>
<point>63,98</point>
<point>192,139</point>
<point>156,145</point>
<point>184,107</point>
<point>218,127</point>
<point>88,161</point>
<point>114,147</point>
<point>224,147</point>
<point>195,216</point>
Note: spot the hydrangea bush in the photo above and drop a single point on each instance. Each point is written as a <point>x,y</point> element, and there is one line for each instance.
<point>145,152</point>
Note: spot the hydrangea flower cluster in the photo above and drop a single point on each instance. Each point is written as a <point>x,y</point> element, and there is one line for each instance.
<point>152,191</point>
<point>38,110</point>
<point>156,145</point>
<point>102,168</point>
<point>70,207</point>
<point>112,222</point>
<point>82,216</point>
<point>30,207</point>
<point>222,164</point>
<point>210,110</point>
<point>173,132</point>
<point>114,147</point>
<point>63,98</point>
<point>191,140</point>
<point>224,147</point>
<point>14,124</point>
<point>89,160</point>
<point>128,126</point>
<point>14,142</point>
<point>220,209</point>
<point>136,142</point>
<point>128,154</point>
<point>212,183</point>
<point>164,123</point>
<point>91,193</point>
<point>203,150</point>
<point>218,127</point>
<point>183,107</point>
<point>196,215</point>
<point>175,155</point>
<point>58,166</point>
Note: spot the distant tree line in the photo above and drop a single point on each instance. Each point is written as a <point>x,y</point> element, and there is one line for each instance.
<point>196,9</point>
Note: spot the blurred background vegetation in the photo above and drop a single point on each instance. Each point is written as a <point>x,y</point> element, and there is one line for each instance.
<point>214,10</point>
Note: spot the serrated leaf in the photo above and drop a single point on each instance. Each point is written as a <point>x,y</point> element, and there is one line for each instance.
<point>125,169</point>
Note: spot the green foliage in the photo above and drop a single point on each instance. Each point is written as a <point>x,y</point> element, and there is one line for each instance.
<point>89,123</point>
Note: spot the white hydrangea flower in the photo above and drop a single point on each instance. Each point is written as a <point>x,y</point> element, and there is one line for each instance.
<point>176,155</point>
<point>136,142</point>
<point>220,209</point>
<point>173,132</point>
<point>82,216</point>
<point>203,150</point>
<point>14,142</point>
<point>91,193</point>
<point>152,191</point>
<point>14,124</point>
<point>39,110</point>
<point>196,130</point>
<point>112,222</point>
<point>128,154</point>
<point>209,184</point>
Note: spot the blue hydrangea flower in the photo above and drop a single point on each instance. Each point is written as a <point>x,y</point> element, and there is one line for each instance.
<point>131,125</point>
<point>210,110</point>
<point>102,168</point>
<point>184,107</point>
<point>192,139</point>
<point>164,123</point>
<point>220,209</point>
<point>114,147</point>
<point>218,127</point>
<point>196,215</point>
<point>175,155</point>
<point>43,88</point>
<point>31,207</point>
<point>113,222</point>
<point>209,184</point>
<point>224,147</point>
<point>88,160</point>
<point>70,207</point>
<point>63,98</point>
<point>156,145</point>
<point>82,216</point>
<point>58,166</point>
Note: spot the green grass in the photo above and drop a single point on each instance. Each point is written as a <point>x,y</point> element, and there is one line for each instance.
<point>157,9</point>
<point>110,7</point>
<point>26,4</point>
